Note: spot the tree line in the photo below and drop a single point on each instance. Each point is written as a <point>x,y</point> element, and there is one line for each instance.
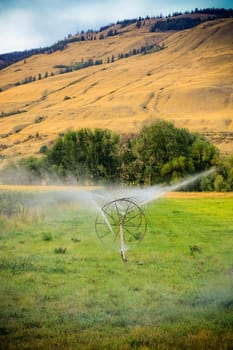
<point>177,23</point>
<point>31,79</point>
<point>89,63</point>
<point>7,59</point>
<point>159,153</point>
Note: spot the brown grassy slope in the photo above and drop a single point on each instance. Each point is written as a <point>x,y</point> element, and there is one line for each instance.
<point>190,83</point>
<point>128,38</point>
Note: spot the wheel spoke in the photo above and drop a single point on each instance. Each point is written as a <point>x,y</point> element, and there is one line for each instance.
<point>133,235</point>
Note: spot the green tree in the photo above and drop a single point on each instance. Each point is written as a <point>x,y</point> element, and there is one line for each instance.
<point>207,183</point>
<point>204,154</point>
<point>88,154</point>
<point>55,154</point>
<point>157,145</point>
<point>104,155</point>
<point>225,170</point>
<point>177,168</point>
<point>221,179</point>
<point>128,158</point>
<point>35,169</point>
<point>219,184</point>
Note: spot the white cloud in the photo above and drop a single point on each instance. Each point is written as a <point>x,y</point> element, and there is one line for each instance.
<point>17,31</point>
<point>25,25</point>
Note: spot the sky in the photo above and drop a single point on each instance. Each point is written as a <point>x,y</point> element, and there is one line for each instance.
<point>27,24</point>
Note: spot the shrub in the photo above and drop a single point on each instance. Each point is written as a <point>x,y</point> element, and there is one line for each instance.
<point>43,149</point>
<point>60,250</point>
<point>47,236</point>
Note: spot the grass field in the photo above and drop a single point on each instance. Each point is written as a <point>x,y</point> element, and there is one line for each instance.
<point>62,289</point>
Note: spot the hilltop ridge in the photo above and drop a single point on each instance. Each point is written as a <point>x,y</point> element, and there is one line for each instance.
<point>134,77</point>
<point>176,21</point>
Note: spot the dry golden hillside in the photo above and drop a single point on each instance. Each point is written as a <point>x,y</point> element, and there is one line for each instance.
<point>189,82</point>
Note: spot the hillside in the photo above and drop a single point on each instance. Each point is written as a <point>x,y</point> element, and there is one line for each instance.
<point>185,77</point>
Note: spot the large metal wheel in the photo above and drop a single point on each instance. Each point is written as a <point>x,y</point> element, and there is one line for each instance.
<point>121,216</point>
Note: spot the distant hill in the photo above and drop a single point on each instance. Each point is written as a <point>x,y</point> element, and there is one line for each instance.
<point>179,21</point>
<point>121,77</point>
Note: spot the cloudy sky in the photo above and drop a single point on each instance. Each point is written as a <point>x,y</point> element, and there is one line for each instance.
<point>26,24</point>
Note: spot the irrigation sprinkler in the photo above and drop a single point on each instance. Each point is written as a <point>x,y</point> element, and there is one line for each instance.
<point>121,223</point>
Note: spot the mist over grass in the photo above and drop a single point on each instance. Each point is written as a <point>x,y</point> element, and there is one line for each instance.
<point>32,203</point>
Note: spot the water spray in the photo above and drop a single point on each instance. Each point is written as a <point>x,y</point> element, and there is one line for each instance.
<point>121,221</point>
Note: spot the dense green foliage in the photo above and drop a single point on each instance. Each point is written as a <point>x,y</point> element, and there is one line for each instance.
<point>179,22</point>
<point>62,289</point>
<point>222,179</point>
<point>86,154</point>
<point>160,153</point>
<point>176,24</point>
<point>165,153</point>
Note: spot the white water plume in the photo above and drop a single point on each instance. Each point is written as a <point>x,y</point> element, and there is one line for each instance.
<point>106,220</point>
<point>94,199</point>
<point>148,194</point>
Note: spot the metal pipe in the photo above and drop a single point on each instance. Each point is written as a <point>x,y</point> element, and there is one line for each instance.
<point>122,242</point>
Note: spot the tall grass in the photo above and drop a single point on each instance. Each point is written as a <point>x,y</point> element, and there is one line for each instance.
<point>61,289</point>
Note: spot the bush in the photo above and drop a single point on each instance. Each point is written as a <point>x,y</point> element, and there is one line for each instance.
<point>47,236</point>
<point>43,149</point>
<point>59,250</point>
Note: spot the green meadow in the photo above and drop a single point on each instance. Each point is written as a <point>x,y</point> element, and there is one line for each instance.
<point>61,288</point>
